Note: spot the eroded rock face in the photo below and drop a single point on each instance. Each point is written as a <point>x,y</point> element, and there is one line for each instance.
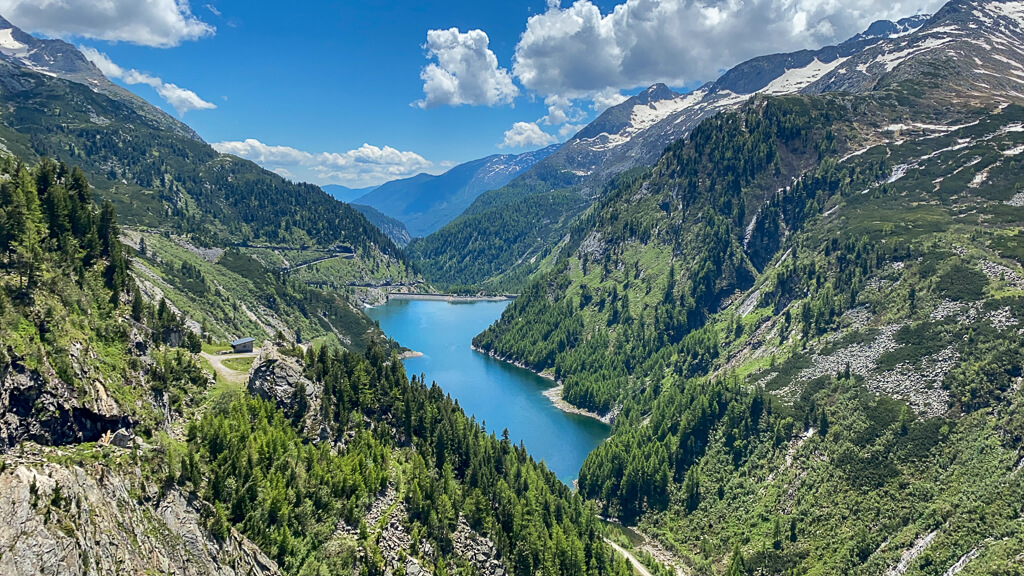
<point>70,520</point>
<point>386,522</point>
<point>277,378</point>
<point>43,408</point>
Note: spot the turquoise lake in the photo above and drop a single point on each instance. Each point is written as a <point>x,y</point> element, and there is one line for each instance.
<point>497,393</point>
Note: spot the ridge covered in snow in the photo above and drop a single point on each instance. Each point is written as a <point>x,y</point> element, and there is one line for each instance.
<point>978,44</point>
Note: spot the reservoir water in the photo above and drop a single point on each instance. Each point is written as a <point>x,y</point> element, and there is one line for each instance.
<point>497,393</point>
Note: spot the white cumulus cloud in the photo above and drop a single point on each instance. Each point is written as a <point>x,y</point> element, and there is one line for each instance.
<point>364,166</point>
<point>526,135</point>
<point>605,99</point>
<point>159,23</point>
<point>577,51</point>
<point>181,99</point>
<point>561,110</point>
<point>466,71</point>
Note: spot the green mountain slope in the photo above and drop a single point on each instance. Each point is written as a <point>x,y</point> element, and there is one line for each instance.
<point>194,204</point>
<point>945,52</point>
<point>427,202</point>
<point>323,461</point>
<point>161,180</point>
<point>806,319</point>
<point>502,237</point>
<point>386,224</point>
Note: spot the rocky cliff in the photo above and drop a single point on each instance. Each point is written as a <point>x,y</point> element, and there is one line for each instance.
<point>108,519</point>
<point>38,405</point>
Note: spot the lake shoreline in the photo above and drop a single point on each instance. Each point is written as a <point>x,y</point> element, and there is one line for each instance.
<point>499,397</point>
<point>447,297</point>
<point>554,394</point>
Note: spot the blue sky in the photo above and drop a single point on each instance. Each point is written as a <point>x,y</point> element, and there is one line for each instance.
<point>330,76</point>
<point>302,87</point>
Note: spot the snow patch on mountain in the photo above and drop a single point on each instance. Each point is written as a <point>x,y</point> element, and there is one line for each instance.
<point>10,46</point>
<point>884,29</point>
<point>976,46</point>
<point>645,116</point>
<point>1011,10</point>
<point>893,59</point>
<point>797,79</point>
<point>660,115</point>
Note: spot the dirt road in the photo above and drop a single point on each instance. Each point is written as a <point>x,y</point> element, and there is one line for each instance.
<point>640,568</point>
<point>232,376</point>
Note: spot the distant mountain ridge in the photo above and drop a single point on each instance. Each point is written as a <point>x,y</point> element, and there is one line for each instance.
<point>344,193</point>
<point>636,131</point>
<point>884,29</point>
<point>426,202</point>
<point>659,116</point>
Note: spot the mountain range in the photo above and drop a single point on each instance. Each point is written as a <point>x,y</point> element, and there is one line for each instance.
<point>804,317</point>
<point>426,202</point>
<point>635,132</point>
<point>193,204</point>
<point>344,193</point>
<point>134,254</point>
<point>796,294</point>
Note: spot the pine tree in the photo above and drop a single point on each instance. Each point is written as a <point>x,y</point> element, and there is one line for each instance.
<point>691,488</point>
<point>138,306</point>
<point>737,565</point>
<point>28,229</point>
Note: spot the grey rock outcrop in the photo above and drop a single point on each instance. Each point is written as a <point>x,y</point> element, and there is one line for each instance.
<point>276,378</point>
<point>478,550</point>
<point>37,405</point>
<point>122,438</point>
<point>70,520</point>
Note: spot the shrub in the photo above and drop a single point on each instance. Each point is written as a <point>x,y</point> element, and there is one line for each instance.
<point>962,282</point>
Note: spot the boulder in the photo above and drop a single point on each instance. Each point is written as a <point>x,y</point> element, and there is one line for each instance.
<point>277,378</point>
<point>122,439</point>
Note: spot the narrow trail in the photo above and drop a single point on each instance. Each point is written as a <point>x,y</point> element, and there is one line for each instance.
<point>232,376</point>
<point>637,565</point>
<point>288,268</point>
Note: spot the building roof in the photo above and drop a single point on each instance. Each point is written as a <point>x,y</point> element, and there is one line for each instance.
<point>241,341</point>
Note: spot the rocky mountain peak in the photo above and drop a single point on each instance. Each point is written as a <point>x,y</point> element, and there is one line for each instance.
<point>51,57</point>
<point>655,93</point>
<point>885,29</point>
<point>972,44</point>
<point>59,59</point>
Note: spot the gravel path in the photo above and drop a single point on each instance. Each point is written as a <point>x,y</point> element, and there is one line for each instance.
<point>637,565</point>
<point>232,376</point>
